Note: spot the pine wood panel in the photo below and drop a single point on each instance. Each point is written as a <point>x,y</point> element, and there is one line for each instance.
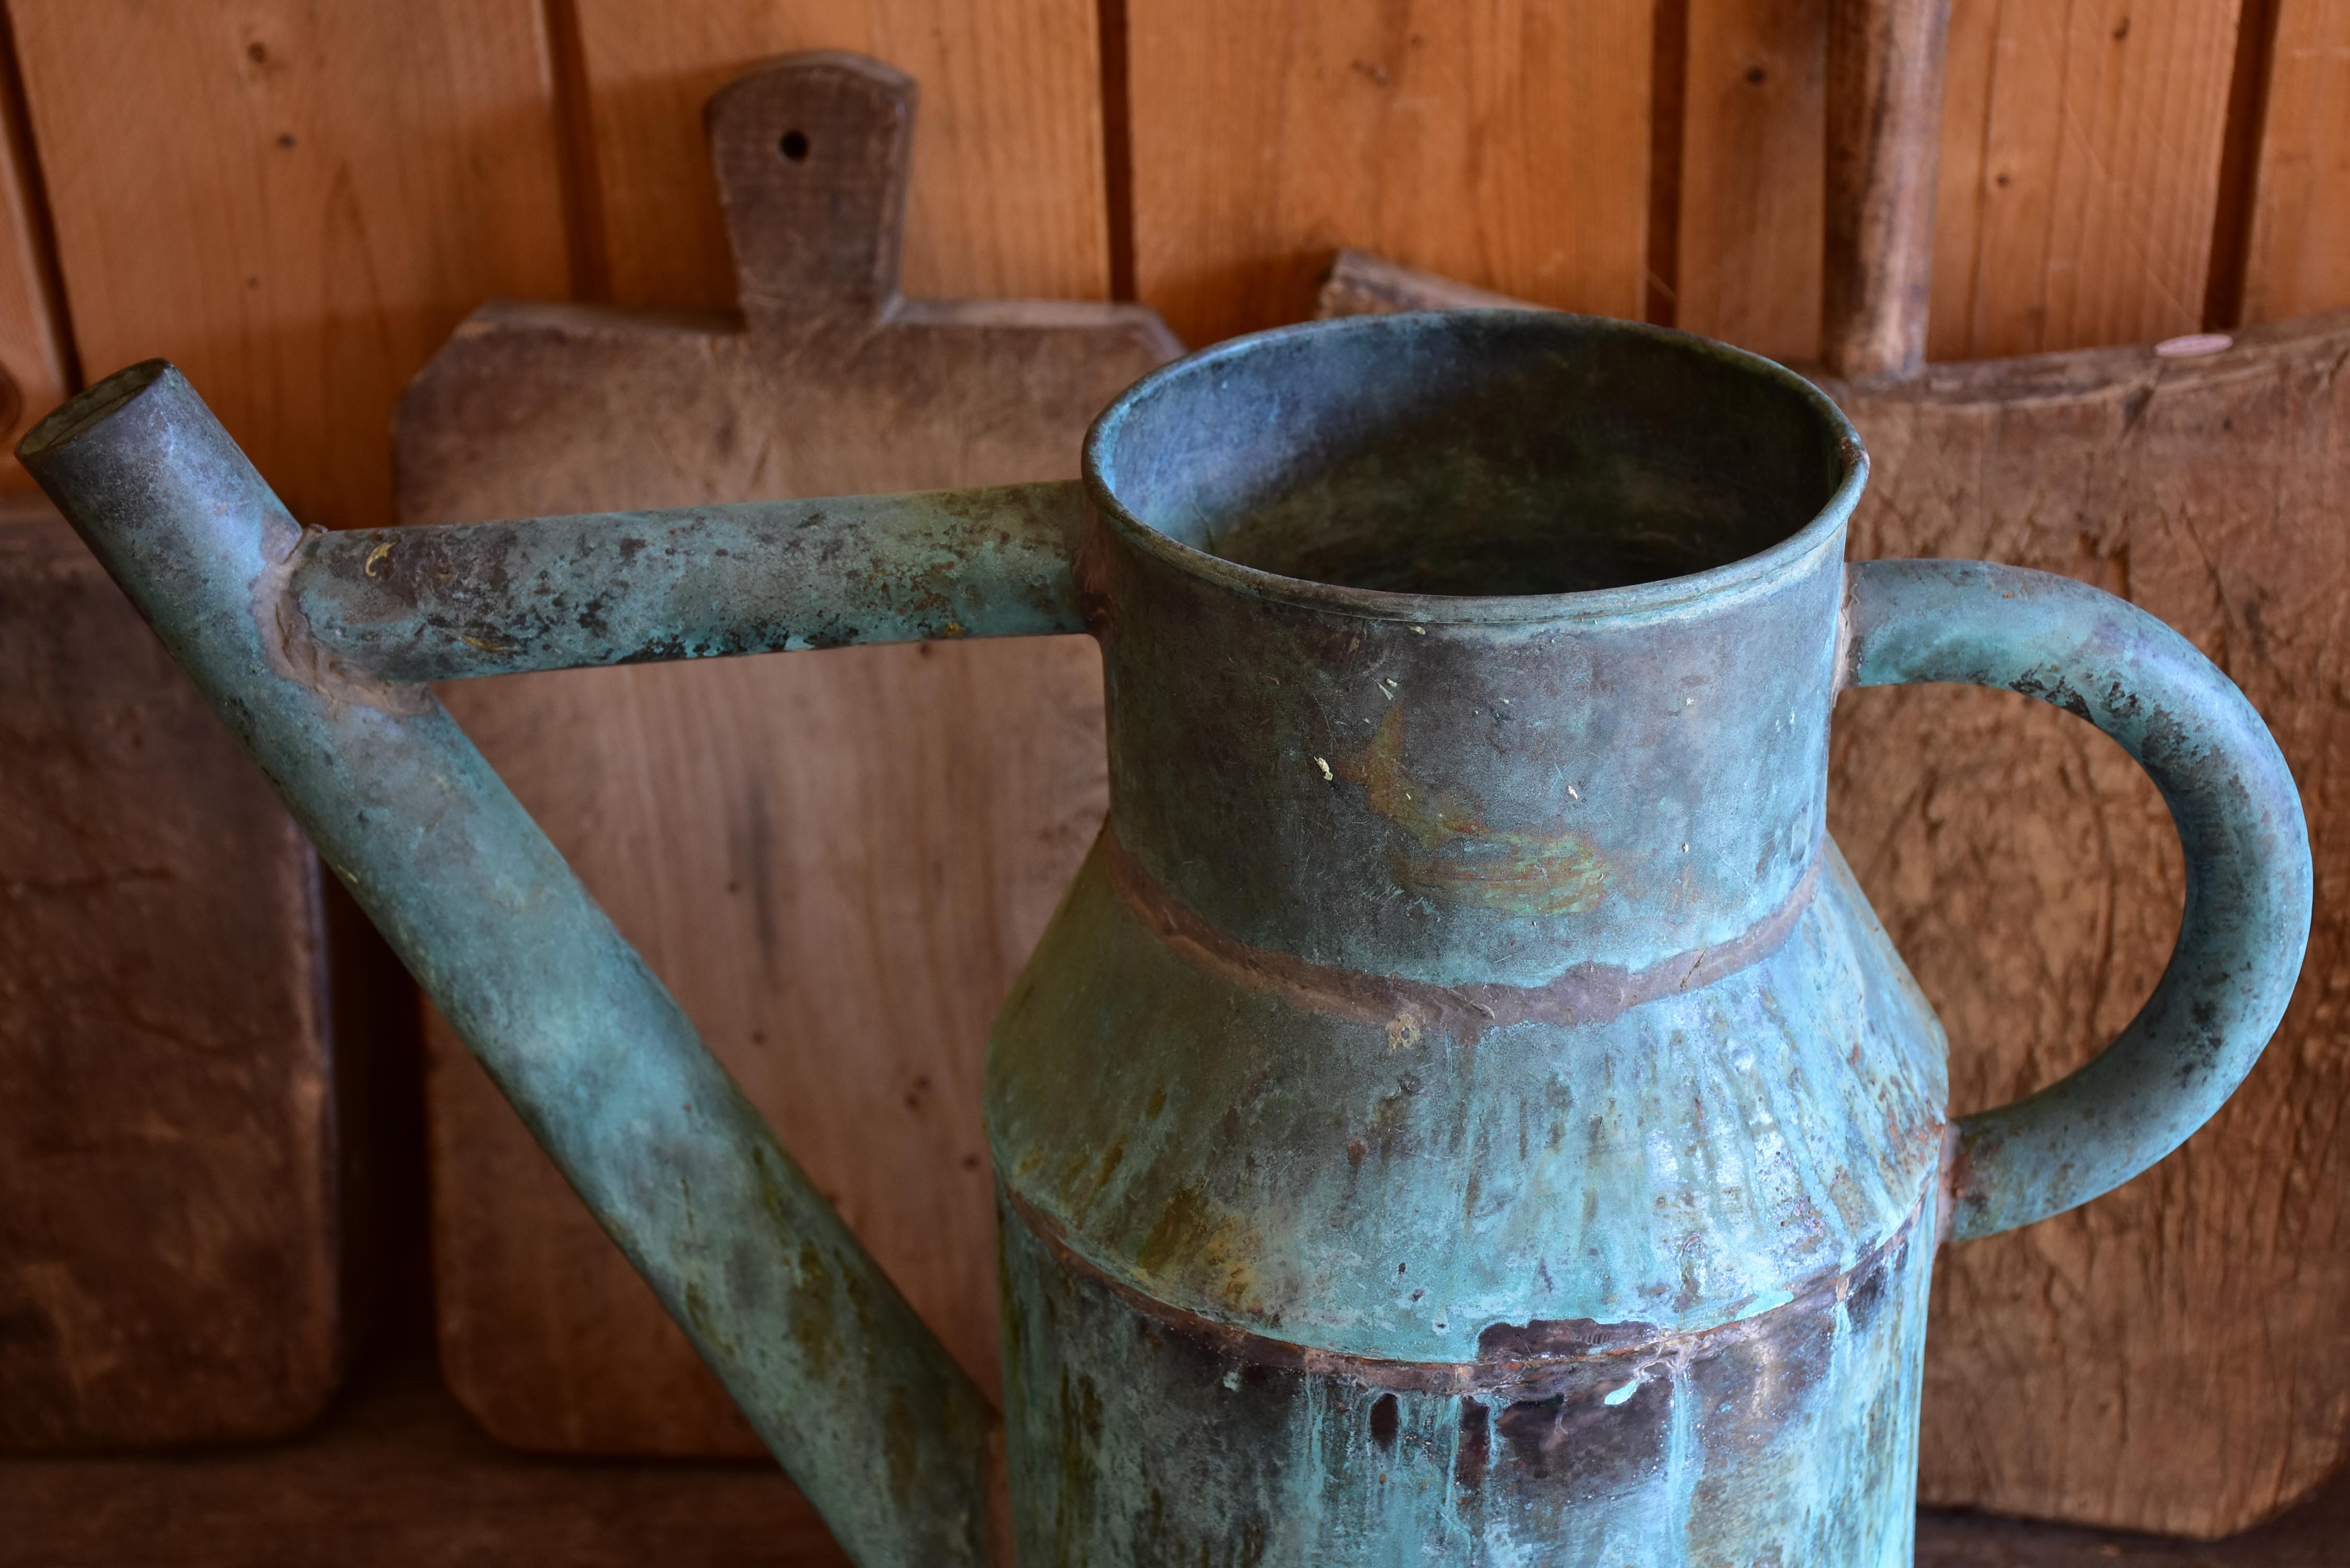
<point>1753,169</point>
<point>1007,195</point>
<point>31,354</point>
<point>2079,169</point>
<point>1504,143</point>
<point>2300,254</point>
<point>296,201</point>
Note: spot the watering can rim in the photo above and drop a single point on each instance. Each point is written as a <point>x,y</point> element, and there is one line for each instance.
<point>1662,598</point>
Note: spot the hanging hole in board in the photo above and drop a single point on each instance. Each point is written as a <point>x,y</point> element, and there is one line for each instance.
<point>794,145</point>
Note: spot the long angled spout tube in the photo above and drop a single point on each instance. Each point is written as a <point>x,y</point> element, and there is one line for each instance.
<point>553,593</point>
<point>850,1391</point>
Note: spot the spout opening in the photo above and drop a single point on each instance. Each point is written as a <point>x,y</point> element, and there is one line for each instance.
<point>75,415</point>
<point>1486,465</point>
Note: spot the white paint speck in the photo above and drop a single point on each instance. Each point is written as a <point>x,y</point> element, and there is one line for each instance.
<point>1328,777</point>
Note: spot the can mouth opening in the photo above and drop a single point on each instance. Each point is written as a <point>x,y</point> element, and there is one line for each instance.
<point>1513,456</point>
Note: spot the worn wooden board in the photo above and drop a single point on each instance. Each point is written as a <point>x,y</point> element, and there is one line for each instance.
<point>1006,200</point>
<point>1505,144</point>
<point>2173,1358</point>
<point>838,861</point>
<point>169,1267</point>
<point>2298,253</point>
<point>295,203</point>
<point>2079,164</point>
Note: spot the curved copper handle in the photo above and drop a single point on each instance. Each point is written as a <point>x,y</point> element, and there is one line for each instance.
<point>2239,822</point>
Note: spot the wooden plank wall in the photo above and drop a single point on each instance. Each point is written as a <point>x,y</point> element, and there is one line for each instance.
<point>298,198</point>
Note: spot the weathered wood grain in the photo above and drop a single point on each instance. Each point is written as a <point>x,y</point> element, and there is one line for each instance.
<point>836,861</point>
<point>2298,257</point>
<point>1506,145</point>
<point>2173,1358</point>
<point>1006,200</point>
<point>168,1246</point>
<point>295,203</point>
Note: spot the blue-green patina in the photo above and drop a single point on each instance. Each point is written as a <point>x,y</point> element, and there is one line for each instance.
<point>1464,1110</point>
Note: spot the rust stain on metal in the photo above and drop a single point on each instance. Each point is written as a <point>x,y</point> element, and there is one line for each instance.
<point>1192,1231</point>
<point>1461,860</point>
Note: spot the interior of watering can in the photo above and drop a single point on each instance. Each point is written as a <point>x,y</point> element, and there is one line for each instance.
<point>1505,454</point>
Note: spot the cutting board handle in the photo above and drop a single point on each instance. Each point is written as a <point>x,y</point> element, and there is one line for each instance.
<point>812,153</point>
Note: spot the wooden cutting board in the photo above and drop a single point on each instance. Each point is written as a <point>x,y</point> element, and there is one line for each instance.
<point>170,1237</point>
<point>2173,1358</point>
<point>838,861</point>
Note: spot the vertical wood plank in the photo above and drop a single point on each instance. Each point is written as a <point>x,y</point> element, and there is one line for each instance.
<point>2079,172</point>
<point>1007,196</point>
<point>1753,166</point>
<point>2299,260</point>
<point>32,355</point>
<point>2080,159</point>
<point>296,201</point>
<point>1504,143</point>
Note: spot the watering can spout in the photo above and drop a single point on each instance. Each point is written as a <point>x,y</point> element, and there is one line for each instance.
<point>889,1439</point>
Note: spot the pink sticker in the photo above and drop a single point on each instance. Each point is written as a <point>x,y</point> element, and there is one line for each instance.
<point>2194,343</point>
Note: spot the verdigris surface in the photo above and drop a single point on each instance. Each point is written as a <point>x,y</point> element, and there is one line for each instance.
<point>1464,1110</point>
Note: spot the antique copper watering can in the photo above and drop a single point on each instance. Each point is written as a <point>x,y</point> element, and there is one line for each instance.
<point>1464,1110</point>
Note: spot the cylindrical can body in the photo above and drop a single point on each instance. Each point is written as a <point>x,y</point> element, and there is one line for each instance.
<point>1788,1439</point>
